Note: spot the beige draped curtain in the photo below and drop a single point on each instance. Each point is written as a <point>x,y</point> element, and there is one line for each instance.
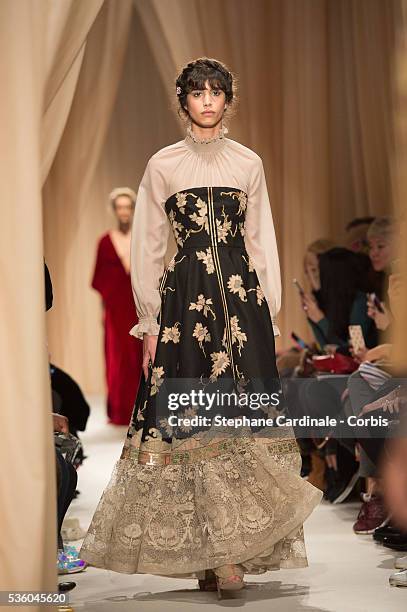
<point>314,84</point>
<point>69,25</point>
<point>399,176</point>
<point>307,73</point>
<point>68,188</point>
<point>42,46</point>
<point>89,97</point>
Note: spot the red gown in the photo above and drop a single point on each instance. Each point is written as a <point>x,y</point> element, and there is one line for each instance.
<point>123,353</point>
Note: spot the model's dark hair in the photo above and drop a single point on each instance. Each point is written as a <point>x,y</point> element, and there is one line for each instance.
<point>195,74</point>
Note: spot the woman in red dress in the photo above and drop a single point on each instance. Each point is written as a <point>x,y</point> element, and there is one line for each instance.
<point>111,278</point>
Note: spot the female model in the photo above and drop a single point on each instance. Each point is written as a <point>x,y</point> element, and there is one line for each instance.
<point>111,278</point>
<point>184,500</point>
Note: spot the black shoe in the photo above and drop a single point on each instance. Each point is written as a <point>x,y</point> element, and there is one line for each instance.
<point>397,541</point>
<point>382,532</point>
<point>66,586</point>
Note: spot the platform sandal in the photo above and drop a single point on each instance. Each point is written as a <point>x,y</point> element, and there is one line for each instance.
<point>229,578</point>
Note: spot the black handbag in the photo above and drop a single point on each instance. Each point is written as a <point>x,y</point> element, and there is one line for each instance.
<point>68,445</point>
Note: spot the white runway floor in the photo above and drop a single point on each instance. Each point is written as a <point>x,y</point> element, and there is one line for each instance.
<point>346,573</point>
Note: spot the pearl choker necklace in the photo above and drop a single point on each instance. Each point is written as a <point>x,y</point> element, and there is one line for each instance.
<point>223,130</point>
<point>206,146</point>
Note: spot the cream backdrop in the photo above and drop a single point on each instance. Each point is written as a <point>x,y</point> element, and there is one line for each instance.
<point>315,103</point>
<point>399,176</point>
<point>41,47</point>
<point>89,97</point>
<point>73,322</point>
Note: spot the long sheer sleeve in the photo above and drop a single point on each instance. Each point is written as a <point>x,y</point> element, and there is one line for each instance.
<point>149,238</point>
<point>261,243</point>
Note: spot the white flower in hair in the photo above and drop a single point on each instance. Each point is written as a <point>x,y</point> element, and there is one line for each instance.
<point>178,90</point>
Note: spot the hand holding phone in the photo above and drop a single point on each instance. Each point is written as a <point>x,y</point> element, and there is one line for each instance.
<point>375,302</point>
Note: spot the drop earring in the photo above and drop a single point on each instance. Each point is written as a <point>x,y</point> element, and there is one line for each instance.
<point>223,129</point>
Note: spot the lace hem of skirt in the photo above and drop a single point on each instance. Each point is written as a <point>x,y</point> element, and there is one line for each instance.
<point>245,506</point>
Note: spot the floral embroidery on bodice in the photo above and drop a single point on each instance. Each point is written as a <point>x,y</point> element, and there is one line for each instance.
<point>197,212</point>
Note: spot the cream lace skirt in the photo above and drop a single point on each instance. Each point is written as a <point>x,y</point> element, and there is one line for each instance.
<point>178,512</point>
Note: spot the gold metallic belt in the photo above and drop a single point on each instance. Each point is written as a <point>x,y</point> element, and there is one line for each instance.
<point>201,453</point>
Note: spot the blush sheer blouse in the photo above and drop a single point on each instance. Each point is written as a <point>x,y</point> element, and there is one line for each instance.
<point>186,164</point>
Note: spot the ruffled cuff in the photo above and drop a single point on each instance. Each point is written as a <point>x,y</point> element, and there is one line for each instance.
<point>146,325</point>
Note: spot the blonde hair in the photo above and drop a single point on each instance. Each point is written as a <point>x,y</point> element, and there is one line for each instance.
<point>382,227</point>
<point>320,246</point>
<point>120,191</point>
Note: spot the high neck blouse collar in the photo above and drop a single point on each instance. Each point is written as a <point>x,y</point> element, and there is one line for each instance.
<point>207,145</point>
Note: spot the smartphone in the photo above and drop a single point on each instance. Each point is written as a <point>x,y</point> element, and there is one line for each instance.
<point>300,289</point>
<point>356,338</point>
<point>376,302</point>
<point>299,341</point>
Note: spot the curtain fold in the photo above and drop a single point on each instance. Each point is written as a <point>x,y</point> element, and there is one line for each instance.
<point>31,35</point>
<point>69,22</point>
<point>314,82</point>
<point>361,54</point>
<point>307,72</point>
<point>303,181</point>
<point>66,193</point>
<point>399,181</point>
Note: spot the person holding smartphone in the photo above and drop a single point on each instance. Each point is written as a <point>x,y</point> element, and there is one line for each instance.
<point>342,300</point>
<point>381,247</point>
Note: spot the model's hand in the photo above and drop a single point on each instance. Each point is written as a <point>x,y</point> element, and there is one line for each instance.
<point>149,348</point>
<point>311,308</point>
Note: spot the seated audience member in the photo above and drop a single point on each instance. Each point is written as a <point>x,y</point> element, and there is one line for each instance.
<point>289,360</point>
<point>372,375</point>
<point>66,475</point>
<point>311,263</point>
<point>342,300</point>
<point>68,559</point>
<point>381,238</point>
<point>72,403</point>
<point>392,461</point>
<point>356,234</point>
<point>371,386</point>
<point>361,389</point>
